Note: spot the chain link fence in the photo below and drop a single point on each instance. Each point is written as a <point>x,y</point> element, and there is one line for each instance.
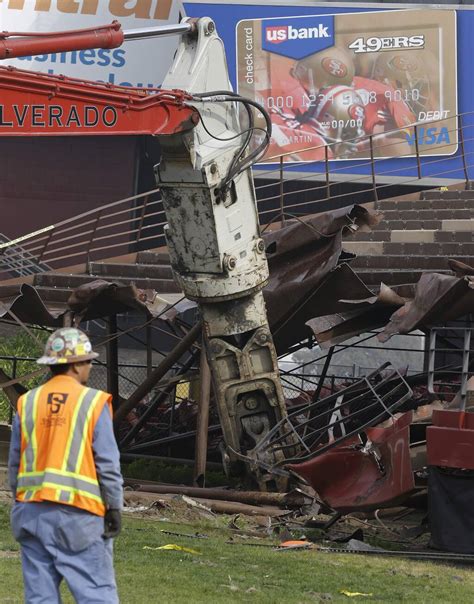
<point>131,375</point>
<point>294,383</point>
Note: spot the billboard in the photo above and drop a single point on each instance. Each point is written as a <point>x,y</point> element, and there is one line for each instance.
<point>333,79</point>
<point>141,63</point>
<point>412,63</point>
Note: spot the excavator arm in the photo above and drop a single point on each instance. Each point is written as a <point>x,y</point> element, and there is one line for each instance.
<point>20,44</point>
<point>47,105</point>
<point>213,234</point>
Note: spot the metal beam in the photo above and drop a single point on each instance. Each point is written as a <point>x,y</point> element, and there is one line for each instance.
<point>202,421</point>
<point>160,30</point>
<point>161,397</point>
<point>112,360</point>
<point>155,376</point>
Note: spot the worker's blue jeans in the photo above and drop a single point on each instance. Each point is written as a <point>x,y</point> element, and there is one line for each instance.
<point>62,542</point>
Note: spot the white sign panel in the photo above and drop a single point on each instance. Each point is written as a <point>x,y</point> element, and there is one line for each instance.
<point>141,63</point>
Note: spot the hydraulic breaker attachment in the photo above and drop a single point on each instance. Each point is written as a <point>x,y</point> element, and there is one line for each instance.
<point>216,250</point>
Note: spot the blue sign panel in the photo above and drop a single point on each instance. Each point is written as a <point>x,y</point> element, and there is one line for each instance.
<point>401,71</point>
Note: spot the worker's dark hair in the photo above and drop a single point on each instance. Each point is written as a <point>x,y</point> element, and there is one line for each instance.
<point>59,369</point>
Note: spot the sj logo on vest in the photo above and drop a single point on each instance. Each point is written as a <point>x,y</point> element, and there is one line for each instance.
<point>56,402</point>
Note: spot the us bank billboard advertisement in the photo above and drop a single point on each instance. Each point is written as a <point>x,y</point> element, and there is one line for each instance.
<point>332,74</point>
<point>335,79</point>
<point>141,63</point>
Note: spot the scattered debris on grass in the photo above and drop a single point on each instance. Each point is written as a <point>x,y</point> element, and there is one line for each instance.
<point>174,547</point>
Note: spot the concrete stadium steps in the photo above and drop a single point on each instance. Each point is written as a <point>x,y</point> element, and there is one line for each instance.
<point>53,294</point>
<point>414,236</point>
<point>367,236</point>
<point>151,257</point>
<point>386,261</point>
<point>132,271</point>
<point>467,193</point>
<point>426,204</point>
<point>151,270</point>
<point>422,215</point>
<point>64,280</point>
<point>442,249</point>
<point>408,225</point>
<point>374,277</point>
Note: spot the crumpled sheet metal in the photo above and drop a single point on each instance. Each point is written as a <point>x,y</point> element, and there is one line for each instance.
<point>347,478</point>
<point>436,298</point>
<point>25,304</point>
<point>361,311</point>
<point>300,257</point>
<point>90,301</point>
<point>101,298</point>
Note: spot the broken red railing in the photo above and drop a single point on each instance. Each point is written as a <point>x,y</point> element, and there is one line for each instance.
<point>367,471</point>
<point>341,432</point>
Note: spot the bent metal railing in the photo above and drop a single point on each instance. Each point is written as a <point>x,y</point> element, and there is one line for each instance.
<point>136,223</point>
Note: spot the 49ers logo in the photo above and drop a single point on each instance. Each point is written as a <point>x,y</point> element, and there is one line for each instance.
<point>334,67</point>
<point>357,112</point>
<point>404,64</point>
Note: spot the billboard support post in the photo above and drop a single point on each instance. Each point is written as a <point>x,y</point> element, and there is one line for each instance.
<point>461,145</point>
<point>372,167</point>
<point>282,194</point>
<point>417,150</point>
<point>326,165</point>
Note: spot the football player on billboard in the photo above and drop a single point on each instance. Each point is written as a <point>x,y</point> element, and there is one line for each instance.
<point>383,112</point>
<point>289,136</point>
<point>415,72</point>
<point>339,116</point>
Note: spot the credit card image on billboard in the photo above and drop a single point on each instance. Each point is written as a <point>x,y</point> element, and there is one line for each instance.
<point>330,81</point>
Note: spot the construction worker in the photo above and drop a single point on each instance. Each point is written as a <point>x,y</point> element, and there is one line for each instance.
<point>65,476</point>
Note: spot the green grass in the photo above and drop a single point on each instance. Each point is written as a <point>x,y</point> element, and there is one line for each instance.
<point>237,573</point>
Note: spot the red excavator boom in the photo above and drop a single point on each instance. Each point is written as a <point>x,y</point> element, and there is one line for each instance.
<point>19,44</point>
<point>45,105</point>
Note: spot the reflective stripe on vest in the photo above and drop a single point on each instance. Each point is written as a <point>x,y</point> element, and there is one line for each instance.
<point>28,419</point>
<point>78,436</point>
<point>67,480</point>
<point>69,483</point>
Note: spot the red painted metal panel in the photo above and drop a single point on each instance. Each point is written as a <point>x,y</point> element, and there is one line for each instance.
<point>453,419</point>
<point>450,440</point>
<point>45,105</point>
<point>348,479</point>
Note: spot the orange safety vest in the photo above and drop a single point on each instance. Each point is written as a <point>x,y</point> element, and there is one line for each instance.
<point>57,427</point>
